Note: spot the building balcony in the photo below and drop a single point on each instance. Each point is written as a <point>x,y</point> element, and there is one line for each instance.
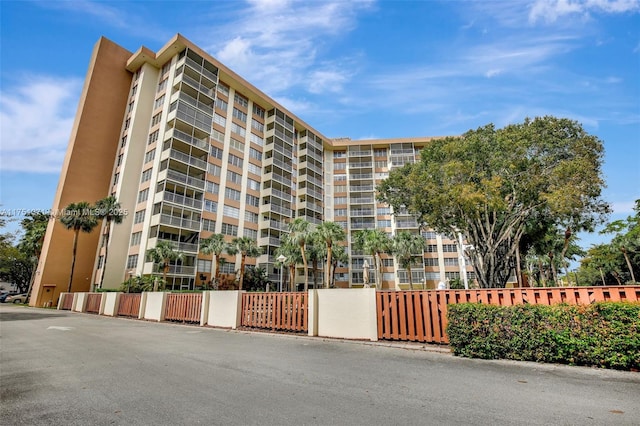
<point>182,200</point>
<point>188,159</point>
<point>202,144</point>
<point>179,222</point>
<point>178,177</point>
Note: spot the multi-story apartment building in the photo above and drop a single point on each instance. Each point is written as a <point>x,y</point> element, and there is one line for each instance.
<point>189,148</point>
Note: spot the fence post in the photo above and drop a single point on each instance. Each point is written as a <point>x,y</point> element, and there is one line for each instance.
<point>312,312</point>
<point>204,308</point>
<point>61,300</point>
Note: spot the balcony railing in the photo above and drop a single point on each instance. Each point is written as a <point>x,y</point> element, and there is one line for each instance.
<point>167,219</point>
<point>186,158</point>
<point>186,179</point>
<point>359,153</point>
<point>361,200</point>
<point>186,247</point>
<point>366,165</point>
<point>184,137</point>
<point>197,67</point>
<point>182,200</point>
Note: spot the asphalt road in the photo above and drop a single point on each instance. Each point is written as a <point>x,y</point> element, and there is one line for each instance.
<point>61,368</point>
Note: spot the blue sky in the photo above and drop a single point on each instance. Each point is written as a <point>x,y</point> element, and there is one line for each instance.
<point>362,69</point>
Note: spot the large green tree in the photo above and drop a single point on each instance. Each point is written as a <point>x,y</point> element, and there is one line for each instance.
<point>78,217</point>
<point>247,247</point>
<point>215,245</point>
<point>34,227</point>
<point>489,183</point>
<point>110,212</point>
<point>329,233</point>
<point>407,247</point>
<point>300,233</point>
<point>373,242</point>
<point>162,255</point>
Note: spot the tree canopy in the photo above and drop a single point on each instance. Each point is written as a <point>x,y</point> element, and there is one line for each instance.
<point>490,184</point>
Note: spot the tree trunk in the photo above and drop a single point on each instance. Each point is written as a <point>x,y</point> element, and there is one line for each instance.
<point>616,276</point>
<point>518,267</point>
<point>104,261</point>
<point>626,258</point>
<point>602,277</point>
<point>242,260</point>
<point>410,280</point>
<point>73,258</point>
<point>306,267</point>
<point>328,269</point>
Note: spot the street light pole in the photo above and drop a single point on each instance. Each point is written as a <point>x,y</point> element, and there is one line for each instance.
<point>281,259</point>
<point>463,262</point>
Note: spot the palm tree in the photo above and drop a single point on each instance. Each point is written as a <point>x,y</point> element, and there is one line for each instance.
<point>247,247</point>
<point>109,210</point>
<point>162,254</point>
<point>300,233</point>
<point>291,251</point>
<point>406,246</point>
<point>373,242</point>
<point>339,255</point>
<point>329,233</point>
<point>78,217</point>
<point>214,245</point>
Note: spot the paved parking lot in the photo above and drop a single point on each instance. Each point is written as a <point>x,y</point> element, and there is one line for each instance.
<point>63,368</point>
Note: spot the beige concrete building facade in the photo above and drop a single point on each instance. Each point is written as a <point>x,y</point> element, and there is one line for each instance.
<point>189,148</point>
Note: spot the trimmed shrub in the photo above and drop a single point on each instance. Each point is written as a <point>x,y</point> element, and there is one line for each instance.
<point>603,334</point>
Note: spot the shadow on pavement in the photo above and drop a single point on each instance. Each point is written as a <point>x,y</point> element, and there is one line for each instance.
<point>30,315</point>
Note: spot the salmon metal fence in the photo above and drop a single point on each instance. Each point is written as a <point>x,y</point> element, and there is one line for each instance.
<point>285,311</point>
<point>421,316</point>
<point>183,307</point>
<point>129,305</point>
<point>93,302</point>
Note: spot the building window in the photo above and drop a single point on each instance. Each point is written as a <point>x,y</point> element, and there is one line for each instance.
<point>340,188</point>
<point>210,206</point>
<point>232,194</point>
<point>341,212</point>
<point>228,268</point>
<point>149,156</point>
<point>216,135</point>
<point>254,153</point>
<point>119,160</point>
<point>212,187</point>
<point>234,177</point>
<point>228,229</point>
<point>136,237</point>
<point>339,166</point>
<point>257,125</point>
<point>384,223</point>
<point>387,263</point>
<point>382,152</point>
<point>240,115</point>
<point>432,248</point>
<point>429,235</point>
<point>146,175</point>
<point>116,177</point>
<point>159,102</point>
<point>215,152</point>
<point>250,233</point>
<point>132,261</point>
<point>340,178</point>
<point>235,161</point>
<point>139,216</point>
<point>238,129</point>
<point>224,89</point>
<point>221,104</point>
<point>156,119</point>
<point>209,225</point>
<point>450,261</point>
<point>213,170</point>
<point>127,122</point>
<point>432,276</point>
<point>162,85</point>
<point>253,200</point>
<point>240,100</point>
<point>218,119</point>
<point>431,261</point>
<point>340,200</point>
<point>143,195</point>
<point>449,248</point>
<point>229,211</point>
<point>254,169</point>
<point>153,137</point>
<point>123,142</point>
<point>256,139</point>
<point>253,184</point>
<point>236,144</point>
<point>339,154</point>
<point>258,111</point>
<point>251,217</point>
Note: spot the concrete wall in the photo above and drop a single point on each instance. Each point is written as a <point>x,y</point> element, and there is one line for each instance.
<point>110,304</point>
<point>155,303</point>
<point>343,313</point>
<point>225,308</point>
<point>80,302</point>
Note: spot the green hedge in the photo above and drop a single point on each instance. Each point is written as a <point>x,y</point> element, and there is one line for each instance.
<point>602,334</point>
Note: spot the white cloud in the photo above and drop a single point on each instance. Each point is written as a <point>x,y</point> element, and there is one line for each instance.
<point>36,120</point>
<point>278,44</point>
<point>552,10</point>
<point>623,207</point>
